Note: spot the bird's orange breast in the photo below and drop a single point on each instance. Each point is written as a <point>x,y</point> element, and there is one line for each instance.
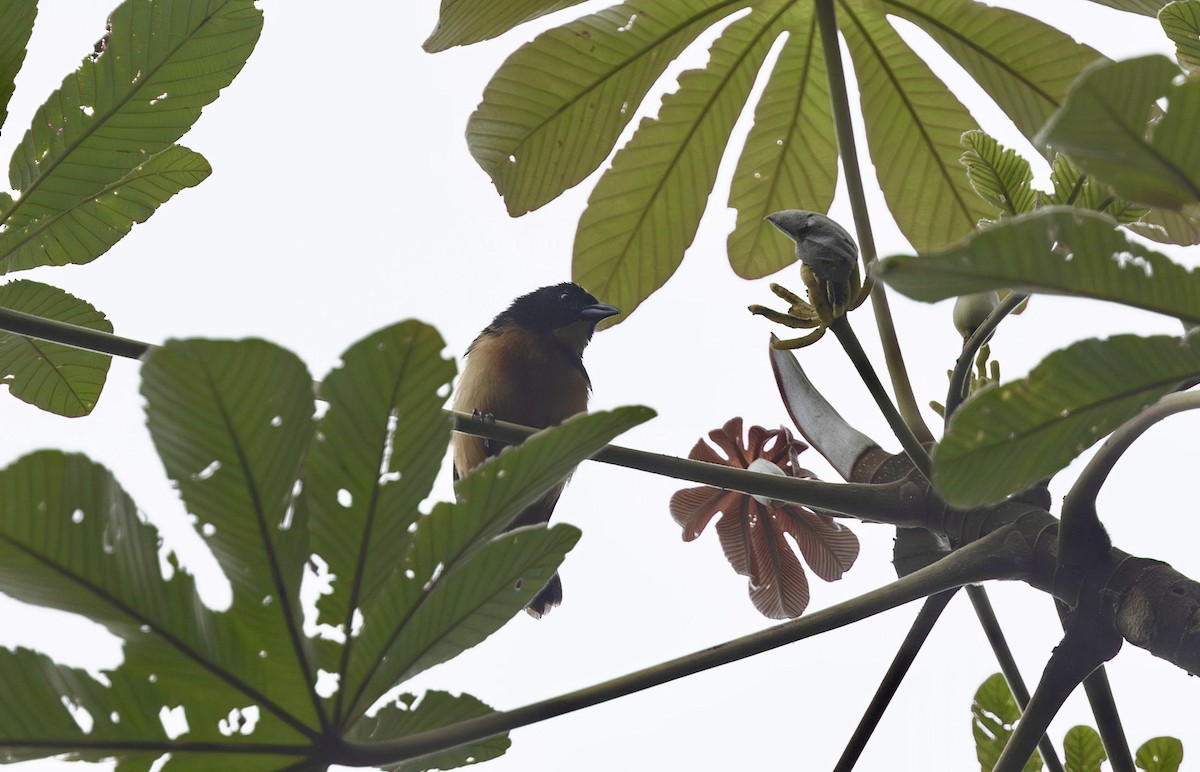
<point>517,376</point>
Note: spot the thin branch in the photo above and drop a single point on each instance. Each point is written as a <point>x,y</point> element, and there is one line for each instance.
<point>1089,641</point>
<point>1087,487</point>
<point>1008,665</point>
<point>843,125</point>
<point>927,617</point>
<point>880,503</point>
<point>1104,709</point>
<point>912,446</point>
<point>1000,555</point>
<point>957,391</point>
<point>1108,721</point>
<point>876,502</point>
<point>32,326</point>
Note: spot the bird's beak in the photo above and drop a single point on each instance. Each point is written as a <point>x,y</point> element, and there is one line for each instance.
<point>791,222</point>
<point>598,311</point>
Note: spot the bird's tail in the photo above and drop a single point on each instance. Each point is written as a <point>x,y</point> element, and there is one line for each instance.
<point>549,597</point>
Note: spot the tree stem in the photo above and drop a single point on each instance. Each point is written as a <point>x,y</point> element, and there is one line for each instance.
<point>843,125</point>
<point>912,446</point>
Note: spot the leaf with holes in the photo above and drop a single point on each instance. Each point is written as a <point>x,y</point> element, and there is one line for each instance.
<point>90,226</point>
<point>1160,754</point>
<point>162,63</point>
<point>994,713</point>
<point>1057,250</point>
<point>270,490</point>
<point>554,111</point>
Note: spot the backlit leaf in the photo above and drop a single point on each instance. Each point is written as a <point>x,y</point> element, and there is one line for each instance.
<point>789,160</point>
<point>1054,250</point>
<point>1006,438</point>
<point>1111,127</point>
<point>57,378</point>
<point>644,212</point>
<point>1181,21</point>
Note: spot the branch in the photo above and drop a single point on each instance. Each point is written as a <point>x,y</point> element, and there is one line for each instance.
<point>840,102</point>
<point>957,391</point>
<point>1089,642</point>
<point>927,617</point>
<point>1104,710</point>
<point>1155,607</point>
<point>908,440</point>
<point>1087,487</point>
<point>1008,666</point>
<point>1002,555</point>
<point>880,503</point>
<point>38,327</point>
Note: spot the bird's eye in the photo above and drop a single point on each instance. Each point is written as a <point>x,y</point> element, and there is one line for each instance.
<point>564,298</point>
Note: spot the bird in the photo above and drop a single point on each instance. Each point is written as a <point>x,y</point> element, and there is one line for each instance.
<point>526,367</point>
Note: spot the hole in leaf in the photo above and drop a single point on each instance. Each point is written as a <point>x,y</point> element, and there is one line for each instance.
<point>174,721</point>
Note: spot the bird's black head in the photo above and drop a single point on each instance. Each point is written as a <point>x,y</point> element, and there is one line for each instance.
<point>566,310</point>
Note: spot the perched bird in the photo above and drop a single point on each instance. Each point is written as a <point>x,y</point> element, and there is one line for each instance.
<point>526,367</point>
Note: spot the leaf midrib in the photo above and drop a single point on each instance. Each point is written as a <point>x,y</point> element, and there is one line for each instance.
<point>913,113</point>
<point>88,131</point>
<point>682,146</point>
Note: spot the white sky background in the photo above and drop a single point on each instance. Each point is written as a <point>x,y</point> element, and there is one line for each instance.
<point>344,199</point>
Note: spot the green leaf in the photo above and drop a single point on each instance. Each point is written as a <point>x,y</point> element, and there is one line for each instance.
<point>165,60</point>
<point>232,422</point>
<point>913,127</point>
<point>57,378</point>
<point>644,212</point>
<point>122,715</point>
<point>88,228</point>
<point>1025,65</point>
<point>377,452</point>
<point>1181,21</point>
<point>1168,227</point>
<point>1054,250</point>
<point>789,160</point>
<point>1160,754</point>
<point>1074,188</point>
<point>1106,128</point>
<point>453,536</point>
<point>435,709</point>
<point>554,109</point>
<point>994,714</point>
<point>1007,438</point>
<point>462,22</point>
<point>1083,749</point>
<point>16,25</point>
<point>1144,7</point>
<point>998,174</point>
<point>470,598</point>
<point>72,539</point>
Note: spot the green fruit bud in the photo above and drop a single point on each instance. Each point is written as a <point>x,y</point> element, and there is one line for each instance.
<point>971,310</point>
